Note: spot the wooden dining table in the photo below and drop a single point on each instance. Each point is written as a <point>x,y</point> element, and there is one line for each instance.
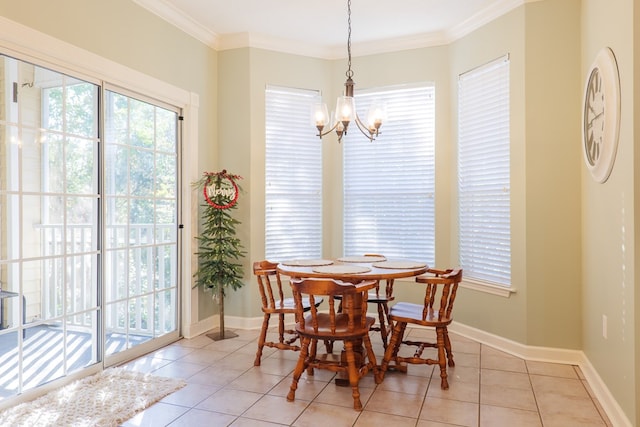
<point>353,270</point>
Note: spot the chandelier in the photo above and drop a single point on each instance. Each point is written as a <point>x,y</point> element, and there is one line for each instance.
<point>345,111</point>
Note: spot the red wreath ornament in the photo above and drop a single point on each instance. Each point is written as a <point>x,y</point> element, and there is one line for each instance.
<point>223,175</point>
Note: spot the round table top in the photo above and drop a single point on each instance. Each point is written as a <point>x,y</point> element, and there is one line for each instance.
<point>352,271</point>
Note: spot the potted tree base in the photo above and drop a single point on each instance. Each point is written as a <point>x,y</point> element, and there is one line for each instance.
<point>219,250</point>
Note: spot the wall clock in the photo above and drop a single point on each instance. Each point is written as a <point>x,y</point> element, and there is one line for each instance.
<point>601,115</point>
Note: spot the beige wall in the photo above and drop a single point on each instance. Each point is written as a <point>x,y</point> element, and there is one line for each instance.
<point>609,234</point>
<point>574,240</point>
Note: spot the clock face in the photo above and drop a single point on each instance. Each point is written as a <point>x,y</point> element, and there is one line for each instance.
<point>594,117</point>
<point>601,115</point>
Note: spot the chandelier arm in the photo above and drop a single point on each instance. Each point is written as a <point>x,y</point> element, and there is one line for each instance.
<point>365,130</point>
<point>321,134</point>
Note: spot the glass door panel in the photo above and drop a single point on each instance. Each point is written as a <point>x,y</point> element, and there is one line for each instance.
<point>49,207</point>
<point>141,166</point>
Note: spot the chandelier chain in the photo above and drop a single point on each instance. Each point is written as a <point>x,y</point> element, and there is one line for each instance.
<point>349,73</point>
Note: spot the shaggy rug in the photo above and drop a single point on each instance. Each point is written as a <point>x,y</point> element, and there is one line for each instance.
<point>106,399</point>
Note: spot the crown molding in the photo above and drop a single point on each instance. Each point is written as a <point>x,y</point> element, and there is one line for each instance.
<point>183,22</point>
<point>219,42</point>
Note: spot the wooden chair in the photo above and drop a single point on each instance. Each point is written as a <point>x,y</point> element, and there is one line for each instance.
<point>274,302</point>
<point>382,301</point>
<point>350,326</point>
<point>442,286</point>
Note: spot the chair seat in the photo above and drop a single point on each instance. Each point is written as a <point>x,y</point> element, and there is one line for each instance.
<point>341,325</point>
<point>288,305</point>
<point>377,299</point>
<point>414,313</point>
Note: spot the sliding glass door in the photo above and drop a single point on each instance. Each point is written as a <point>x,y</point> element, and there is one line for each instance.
<point>88,231</point>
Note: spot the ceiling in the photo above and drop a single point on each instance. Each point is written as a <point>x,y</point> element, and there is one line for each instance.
<point>319,28</point>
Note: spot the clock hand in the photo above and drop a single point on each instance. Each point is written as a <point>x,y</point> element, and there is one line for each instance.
<point>596,117</point>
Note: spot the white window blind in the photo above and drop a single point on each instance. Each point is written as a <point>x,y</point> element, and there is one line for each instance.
<point>484,204</point>
<point>293,169</point>
<point>389,183</point>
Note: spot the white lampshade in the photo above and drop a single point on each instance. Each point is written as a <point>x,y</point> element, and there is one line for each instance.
<point>345,109</point>
<point>319,114</point>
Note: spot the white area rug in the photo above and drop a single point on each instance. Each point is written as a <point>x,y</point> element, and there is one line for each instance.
<point>105,399</point>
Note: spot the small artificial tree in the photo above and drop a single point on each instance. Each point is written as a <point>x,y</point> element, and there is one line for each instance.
<point>219,249</point>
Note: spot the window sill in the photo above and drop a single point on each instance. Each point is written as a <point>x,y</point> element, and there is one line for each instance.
<point>487,288</point>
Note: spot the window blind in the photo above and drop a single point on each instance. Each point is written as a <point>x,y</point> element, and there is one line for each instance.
<point>484,205</point>
<point>389,183</point>
<point>293,176</point>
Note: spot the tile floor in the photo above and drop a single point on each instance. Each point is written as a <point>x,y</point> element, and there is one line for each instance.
<point>488,388</point>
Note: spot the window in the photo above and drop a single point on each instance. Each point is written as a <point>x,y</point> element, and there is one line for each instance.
<point>389,183</point>
<point>484,226</point>
<point>293,176</point>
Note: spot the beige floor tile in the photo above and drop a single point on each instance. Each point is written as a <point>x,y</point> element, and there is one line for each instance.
<point>232,402</point>
<point>459,346</point>
<point>276,366</point>
<point>516,398</point>
<point>308,389</point>
<point>248,422</point>
<point>470,360</point>
<point>317,414</point>
<point>518,380</point>
<point>195,342</point>
<point>467,374</point>
<point>463,391</point>
<point>190,395</point>
<point>227,345</point>
<point>429,423</point>
<point>146,364</point>
<point>504,363</point>
<point>203,356</point>
<point>565,410</point>
<point>544,385</point>
<point>496,416</point>
<point>275,409</point>
<point>551,369</point>
<point>215,376</point>
<point>376,419</point>
<point>256,381</point>
<point>172,352</point>
<point>159,414</point>
<point>198,417</point>
<point>403,383</point>
<point>235,361</point>
<point>179,369</point>
<point>450,411</point>
<point>342,396</point>
<point>389,402</point>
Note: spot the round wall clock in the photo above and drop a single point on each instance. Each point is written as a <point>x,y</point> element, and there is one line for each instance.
<point>601,115</point>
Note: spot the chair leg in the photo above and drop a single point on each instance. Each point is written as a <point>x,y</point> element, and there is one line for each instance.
<point>300,367</point>
<point>371,356</point>
<point>442,359</point>
<point>354,376</point>
<point>382,318</point>
<point>447,347</point>
<point>262,339</point>
<point>281,328</point>
<point>313,351</point>
<point>392,349</point>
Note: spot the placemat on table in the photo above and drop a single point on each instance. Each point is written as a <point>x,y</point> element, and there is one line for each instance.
<point>365,258</point>
<point>341,269</point>
<point>400,264</point>
<point>307,262</point>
